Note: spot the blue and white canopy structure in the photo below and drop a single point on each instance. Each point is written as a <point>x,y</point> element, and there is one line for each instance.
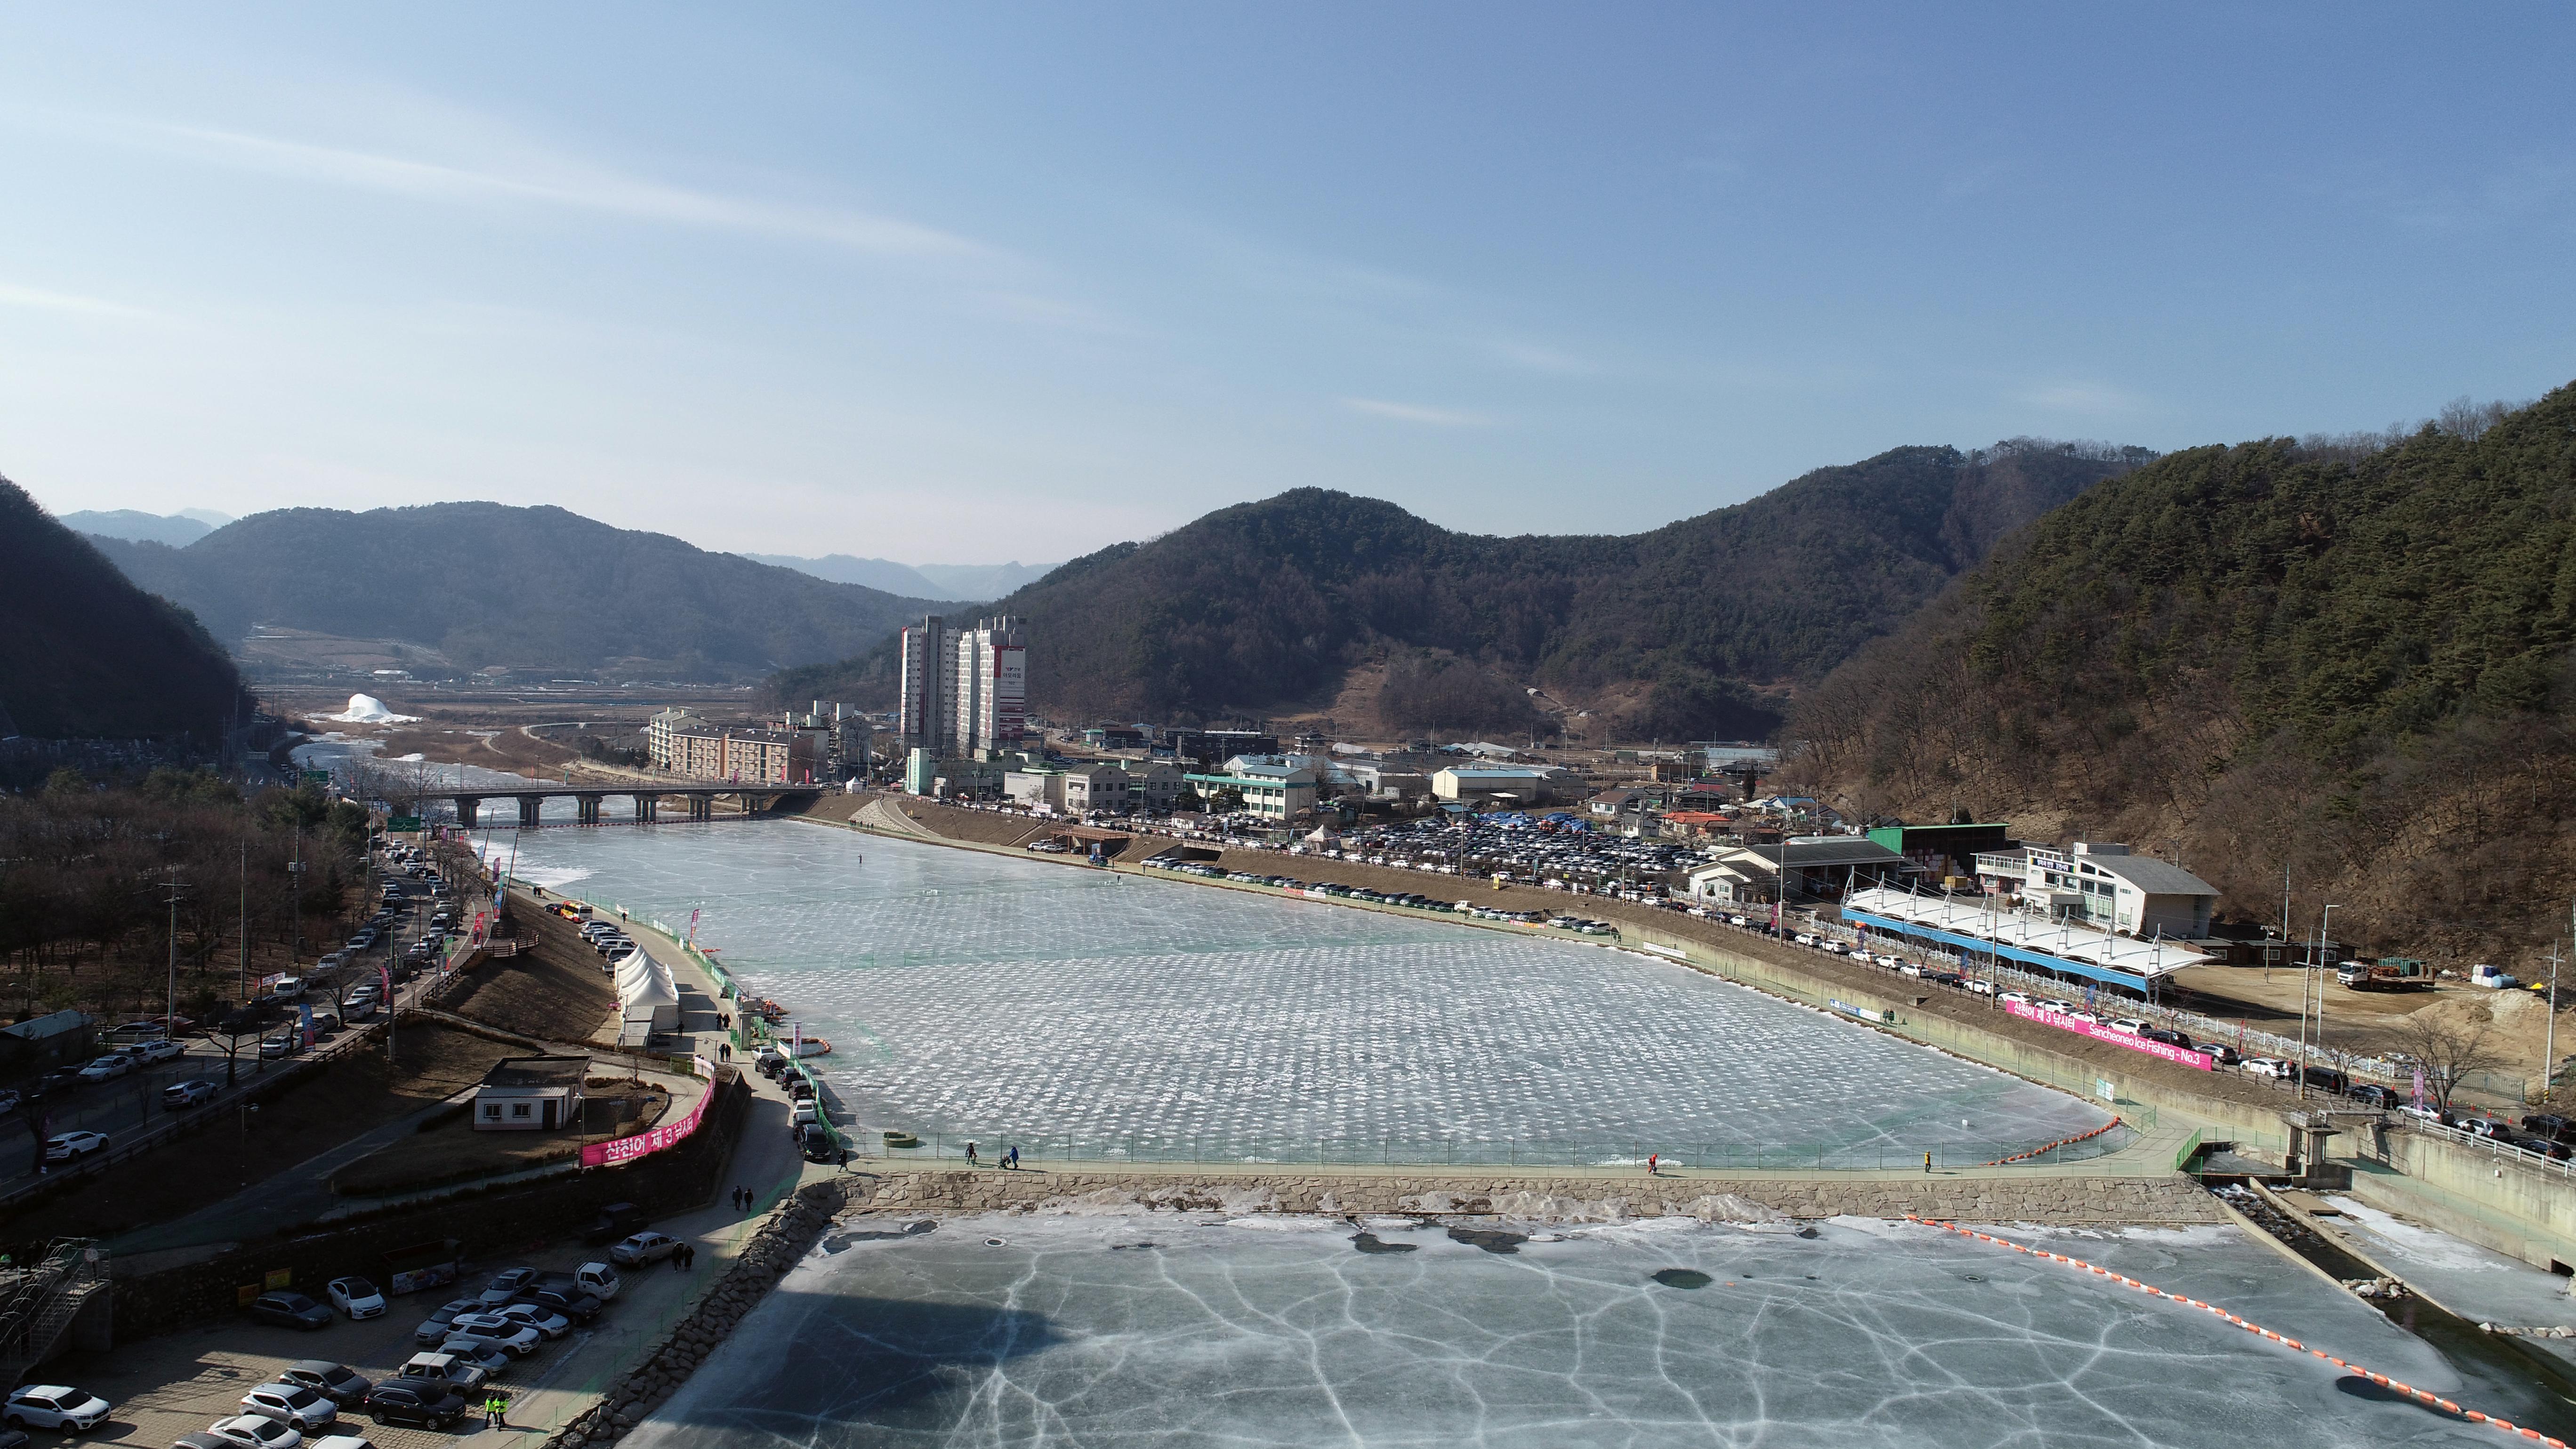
<point>1968,923</point>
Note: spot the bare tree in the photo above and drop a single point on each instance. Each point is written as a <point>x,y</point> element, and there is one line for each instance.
<point>2446,1052</point>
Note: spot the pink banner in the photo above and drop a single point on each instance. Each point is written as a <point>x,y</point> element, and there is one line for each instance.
<point>627,1149</point>
<point>2177,1055</point>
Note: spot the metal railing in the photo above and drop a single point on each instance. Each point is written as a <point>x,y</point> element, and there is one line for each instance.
<point>2503,1151</point>
<point>42,1300</point>
<point>1875,1155</point>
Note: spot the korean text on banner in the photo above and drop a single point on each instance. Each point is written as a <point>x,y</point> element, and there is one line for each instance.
<point>2179,1056</point>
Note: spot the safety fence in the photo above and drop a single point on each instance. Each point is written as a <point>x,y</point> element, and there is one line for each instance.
<point>1875,1155</point>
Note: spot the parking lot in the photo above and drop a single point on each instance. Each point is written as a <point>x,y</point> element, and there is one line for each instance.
<point>181,1382</point>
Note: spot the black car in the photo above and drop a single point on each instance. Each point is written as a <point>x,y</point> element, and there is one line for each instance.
<point>815,1141</point>
<point>615,1221</point>
<point>419,1402</point>
<point>2550,1124</point>
<point>288,1310</point>
<point>2327,1078</point>
<point>2376,1095</point>
<point>2168,1036</point>
<point>572,1303</point>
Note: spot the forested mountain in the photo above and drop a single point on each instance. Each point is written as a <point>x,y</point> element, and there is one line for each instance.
<point>526,587</point>
<point>2352,661</point>
<point>84,654</point>
<point>1317,599</point>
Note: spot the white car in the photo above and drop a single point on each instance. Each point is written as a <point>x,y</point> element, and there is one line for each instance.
<point>343,1441</point>
<point>479,1353</point>
<point>251,1431</point>
<point>107,1068</point>
<point>2013,996</point>
<point>2129,1026</point>
<point>506,1334</point>
<point>644,1248</point>
<point>64,1146</point>
<point>54,1406</point>
<point>357,1298</point>
<point>158,1051</point>
<point>530,1315</point>
<point>298,1408</point>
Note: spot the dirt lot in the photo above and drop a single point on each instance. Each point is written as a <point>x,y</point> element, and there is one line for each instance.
<point>558,991</point>
<point>353,1094</point>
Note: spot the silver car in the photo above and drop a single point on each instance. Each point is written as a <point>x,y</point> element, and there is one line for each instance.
<point>293,1405</point>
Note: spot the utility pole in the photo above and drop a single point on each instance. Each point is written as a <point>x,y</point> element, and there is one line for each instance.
<point>244,912</point>
<point>295,888</point>
<point>170,1022</point>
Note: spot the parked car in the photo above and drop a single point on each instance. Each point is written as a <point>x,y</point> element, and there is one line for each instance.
<point>430,1405</point>
<point>284,1044</point>
<point>188,1093</point>
<point>162,1050</point>
<point>614,1221</point>
<point>253,1431</point>
<point>548,1324</point>
<point>2375,1094</point>
<point>65,1146</point>
<point>597,1279</point>
<point>338,1382</point>
<point>107,1068</point>
<point>479,1331</point>
<point>2549,1124</point>
<point>288,1310</point>
<point>2326,1079</point>
<point>505,1285</point>
<point>814,1141</point>
<point>356,1297</point>
<point>198,1440</point>
<point>54,1406</point>
<point>572,1303</point>
<point>491,1358</point>
<point>644,1248</point>
<point>2271,1067</point>
<point>433,1329</point>
<point>444,1369</point>
<point>298,1408</point>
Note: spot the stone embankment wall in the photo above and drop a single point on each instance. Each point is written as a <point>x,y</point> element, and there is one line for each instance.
<point>2068,1200</point>
<point>776,1246</point>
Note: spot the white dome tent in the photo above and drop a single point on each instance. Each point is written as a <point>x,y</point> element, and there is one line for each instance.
<point>648,1000</point>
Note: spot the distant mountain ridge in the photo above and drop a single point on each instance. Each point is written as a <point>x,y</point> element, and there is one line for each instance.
<point>84,654</point>
<point>487,584</point>
<point>966,582</point>
<point>1316,599</point>
<point>176,529</point>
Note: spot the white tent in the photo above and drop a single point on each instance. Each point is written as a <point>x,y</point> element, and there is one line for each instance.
<point>646,994</point>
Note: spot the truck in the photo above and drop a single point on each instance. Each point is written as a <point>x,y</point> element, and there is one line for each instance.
<point>2388,973</point>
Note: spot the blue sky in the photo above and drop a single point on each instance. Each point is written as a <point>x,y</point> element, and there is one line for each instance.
<point>945,283</point>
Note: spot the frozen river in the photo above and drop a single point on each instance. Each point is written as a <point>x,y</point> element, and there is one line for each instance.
<point>1151,1333</point>
<point>1073,1011</point>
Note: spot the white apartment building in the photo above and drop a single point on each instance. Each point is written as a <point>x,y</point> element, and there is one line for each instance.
<point>963,690</point>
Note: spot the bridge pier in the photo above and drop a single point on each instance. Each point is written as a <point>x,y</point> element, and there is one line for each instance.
<point>531,811</point>
<point>702,807</point>
<point>466,806</point>
<point>648,808</point>
<point>588,806</point>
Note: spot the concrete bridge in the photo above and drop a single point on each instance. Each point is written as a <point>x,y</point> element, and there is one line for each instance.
<point>648,800</point>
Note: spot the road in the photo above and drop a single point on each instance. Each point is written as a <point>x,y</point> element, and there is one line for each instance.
<point>126,1106</point>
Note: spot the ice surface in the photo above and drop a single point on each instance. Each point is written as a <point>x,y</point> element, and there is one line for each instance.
<point>1075,1011</point>
<point>1149,1334</point>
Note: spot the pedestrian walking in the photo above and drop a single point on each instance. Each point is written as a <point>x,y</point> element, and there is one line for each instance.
<point>1651,1159</point>
<point>1011,1159</point>
<point>491,1410</point>
<point>970,1154</point>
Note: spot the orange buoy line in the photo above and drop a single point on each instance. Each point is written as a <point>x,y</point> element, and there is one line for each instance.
<point>2060,1142</point>
<point>2421,1395</point>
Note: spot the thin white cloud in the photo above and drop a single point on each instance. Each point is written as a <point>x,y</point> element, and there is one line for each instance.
<point>1416,413</point>
<point>560,181</point>
<point>39,300</point>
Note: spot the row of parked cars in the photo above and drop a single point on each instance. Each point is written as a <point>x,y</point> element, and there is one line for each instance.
<point>1411,900</point>
<point>464,1344</point>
